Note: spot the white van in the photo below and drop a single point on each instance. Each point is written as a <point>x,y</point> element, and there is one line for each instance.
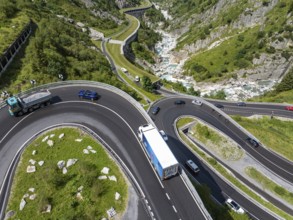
<point>192,166</point>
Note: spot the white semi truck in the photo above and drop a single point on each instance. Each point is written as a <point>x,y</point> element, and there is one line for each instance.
<point>158,151</point>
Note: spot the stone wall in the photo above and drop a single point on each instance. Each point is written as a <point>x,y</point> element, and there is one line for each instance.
<point>9,54</point>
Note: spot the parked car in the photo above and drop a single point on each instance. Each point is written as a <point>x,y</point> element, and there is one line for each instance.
<point>165,137</point>
<point>218,105</point>
<point>192,166</point>
<point>234,206</point>
<point>252,142</point>
<point>289,108</point>
<point>88,94</point>
<point>179,102</point>
<point>196,102</point>
<point>241,104</point>
<point>156,110</point>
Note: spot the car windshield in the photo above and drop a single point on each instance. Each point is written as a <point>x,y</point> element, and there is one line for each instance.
<point>236,206</point>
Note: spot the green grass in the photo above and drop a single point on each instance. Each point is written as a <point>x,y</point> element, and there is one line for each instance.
<point>184,121</point>
<point>133,24</point>
<point>273,133</point>
<point>269,184</point>
<point>10,29</point>
<point>217,142</point>
<point>220,61</point>
<point>120,60</point>
<point>217,212</point>
<point>282,97</point>
<point>212,162</point>
<point>59,190</point>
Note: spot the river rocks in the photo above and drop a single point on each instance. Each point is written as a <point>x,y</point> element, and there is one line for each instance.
<point>80,189</point>
<point>34,152</point>
<point>61,136</point>
<point>78,140</point>
<point>95,35</point>
<point>33,196</point>
<point>41,163</point>
<point>31,189</point>
<point>111,212</point>
<point>64,170</point>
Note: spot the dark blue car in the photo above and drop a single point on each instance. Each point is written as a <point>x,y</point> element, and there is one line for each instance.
<point>88,94</point>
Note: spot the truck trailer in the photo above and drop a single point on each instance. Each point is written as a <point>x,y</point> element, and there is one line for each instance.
<point>158,151</point>
<point>20,105</point>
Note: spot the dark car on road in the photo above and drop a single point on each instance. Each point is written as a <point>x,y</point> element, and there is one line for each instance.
<point>179,102</point>
<point>156,110</point>
<point>88,94</point>
<point>241,104</point>
<point>252,142</point>
<point>218,105</point>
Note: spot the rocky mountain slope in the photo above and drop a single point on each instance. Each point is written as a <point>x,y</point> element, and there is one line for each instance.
<point>246,40</point>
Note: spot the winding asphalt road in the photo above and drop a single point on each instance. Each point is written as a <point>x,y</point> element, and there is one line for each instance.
<point>165,119</point>
<point>116,121</point>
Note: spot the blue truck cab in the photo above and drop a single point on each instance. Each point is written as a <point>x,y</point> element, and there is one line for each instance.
<point>13,105</point>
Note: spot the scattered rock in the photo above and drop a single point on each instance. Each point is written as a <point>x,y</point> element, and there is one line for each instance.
<point>34,152</point>
<point>85,151</point>
<point>41,162</point>
<point>31,169</point>
<point>22,204</point>
<point>52,135</point>
<point>31,189</point>
<point>93,151</point>
<point>105,170</point>
<point>78,140</point>
<point>80,189</point>
<point>25,195</point>
<point>71,162</point>
<point>112,178</point>
<point>117,196</point>
<point>32,161</point>
<point>61,164</point>
<point>95,35</point>
<point>10,214</point>
<point>45,138</point>
<point>47,208</point>
<point>79,24</point>
<point>33,196</point>
<point>111,212</point>
<point>102,177</point>
<point>50,143</point>
<point>64,170</point>
<point>61,135</point>
<point>79,196</point>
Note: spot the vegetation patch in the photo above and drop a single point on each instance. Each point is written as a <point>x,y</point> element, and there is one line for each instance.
<point>273,133</point>
<point>217,212</point>
<point>267,183</point>
<point>230,178</point>
<point>217,142</point>
<point>81,193</point>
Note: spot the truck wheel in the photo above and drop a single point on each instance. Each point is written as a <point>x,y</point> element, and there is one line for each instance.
<point>30,109</point>
<point>20,113</point>
<point>42,105</point>
<point>48,103</point>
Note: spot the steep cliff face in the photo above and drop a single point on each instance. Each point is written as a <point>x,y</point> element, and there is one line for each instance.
<point>240,38</point>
